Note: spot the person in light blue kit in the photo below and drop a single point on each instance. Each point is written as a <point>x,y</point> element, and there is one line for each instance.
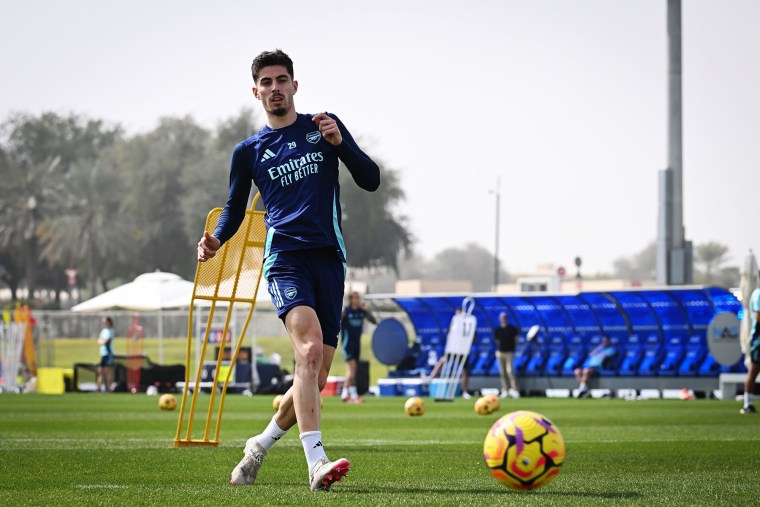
<point>754,354</point>
<point>105,369</point>
<point>593,363</point>
<point>293,161</point>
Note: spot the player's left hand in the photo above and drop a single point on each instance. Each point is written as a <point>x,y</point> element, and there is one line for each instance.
<point>329,128</point>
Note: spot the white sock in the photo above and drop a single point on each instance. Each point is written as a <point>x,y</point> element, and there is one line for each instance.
<point>583,386</point>
<point>352,392</point>
<point>270,435</point>
<point>312,447</point>
<point>344,392</point>
<point>747,399</point>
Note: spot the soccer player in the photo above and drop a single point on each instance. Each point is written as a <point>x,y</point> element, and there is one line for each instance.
<point>293,161</point>
<point>754,354</point>
<point>352,326</point>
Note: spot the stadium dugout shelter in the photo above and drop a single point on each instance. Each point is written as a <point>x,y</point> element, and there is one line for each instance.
<point>660,337</point>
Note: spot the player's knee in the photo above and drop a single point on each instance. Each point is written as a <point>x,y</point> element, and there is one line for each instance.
<point>311,358</point>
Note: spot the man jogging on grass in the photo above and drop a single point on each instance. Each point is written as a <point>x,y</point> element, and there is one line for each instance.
<point>293,161</point>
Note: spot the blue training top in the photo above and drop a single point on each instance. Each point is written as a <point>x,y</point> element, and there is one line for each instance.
<point>352,323</point>
<point>296,171</point>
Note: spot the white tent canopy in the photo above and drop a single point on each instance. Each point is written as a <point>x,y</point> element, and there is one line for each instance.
<point>149,292</point>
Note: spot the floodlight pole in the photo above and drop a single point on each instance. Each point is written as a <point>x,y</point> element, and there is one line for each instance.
<point>674,252</point>
<point>496,237</point>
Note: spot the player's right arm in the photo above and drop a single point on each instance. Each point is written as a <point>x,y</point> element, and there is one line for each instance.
<point>363,169</point>
<point>234,211</point>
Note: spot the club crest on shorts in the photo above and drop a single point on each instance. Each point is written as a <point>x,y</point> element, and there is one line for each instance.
<point>314,137</point>
<point>291,292</point>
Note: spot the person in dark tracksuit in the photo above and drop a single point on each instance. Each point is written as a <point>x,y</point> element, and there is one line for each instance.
<point>351,328</point>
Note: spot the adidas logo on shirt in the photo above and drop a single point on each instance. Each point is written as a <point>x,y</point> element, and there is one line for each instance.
<point>267,155</point>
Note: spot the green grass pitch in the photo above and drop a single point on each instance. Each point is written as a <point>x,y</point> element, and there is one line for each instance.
<point>97,449</point>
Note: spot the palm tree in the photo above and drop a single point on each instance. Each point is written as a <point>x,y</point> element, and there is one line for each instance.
<point>27,190</point>
<point>89,230</point>
<point>711,256</point>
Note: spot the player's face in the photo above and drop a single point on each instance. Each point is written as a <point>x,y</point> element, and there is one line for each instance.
<point>275,89</point>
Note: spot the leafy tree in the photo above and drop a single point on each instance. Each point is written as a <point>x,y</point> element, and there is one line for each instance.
<point>38,152</point>
<point>412,266</point>
<point>33,140</point>
<point>155,163</point>
<point>709,261</point>
<point>728,277</point>
<point>709,257</point>
<point>471,262</point>
<point>10,272</point>
<point>233,130</point>
<point>375,233</point>
<point>207,180</point>
<point>27,191</point>
<point>87,229</point>
<point>640,266</point>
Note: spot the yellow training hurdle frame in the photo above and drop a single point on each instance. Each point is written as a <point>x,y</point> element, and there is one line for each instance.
<point>232,276</point>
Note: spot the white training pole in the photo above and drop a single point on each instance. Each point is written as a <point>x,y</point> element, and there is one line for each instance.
<point>11,348</point>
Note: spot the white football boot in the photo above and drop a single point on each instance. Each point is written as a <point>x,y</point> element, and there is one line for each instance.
<point>325,472</point>
<point>246,471</point>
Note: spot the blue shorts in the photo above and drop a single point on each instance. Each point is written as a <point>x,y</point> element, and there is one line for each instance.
<point>313,278</point>
<point>106,361</point>
<point>351,347</point>
<point>754,349</point>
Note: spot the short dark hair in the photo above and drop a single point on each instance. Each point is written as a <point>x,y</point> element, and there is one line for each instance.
<point>269,58</point>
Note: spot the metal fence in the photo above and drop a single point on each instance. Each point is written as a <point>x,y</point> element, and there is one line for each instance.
<point>67,324</point>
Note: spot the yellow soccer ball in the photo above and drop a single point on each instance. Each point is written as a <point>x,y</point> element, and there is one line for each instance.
<point>414,406</point>
<point>167,402</point>
<point>483,406</point>
<point>276,402</point>
<point>524,450</point>
<point>494,401</point>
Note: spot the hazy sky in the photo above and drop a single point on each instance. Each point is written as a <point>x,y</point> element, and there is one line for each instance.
<point>564,100</point>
